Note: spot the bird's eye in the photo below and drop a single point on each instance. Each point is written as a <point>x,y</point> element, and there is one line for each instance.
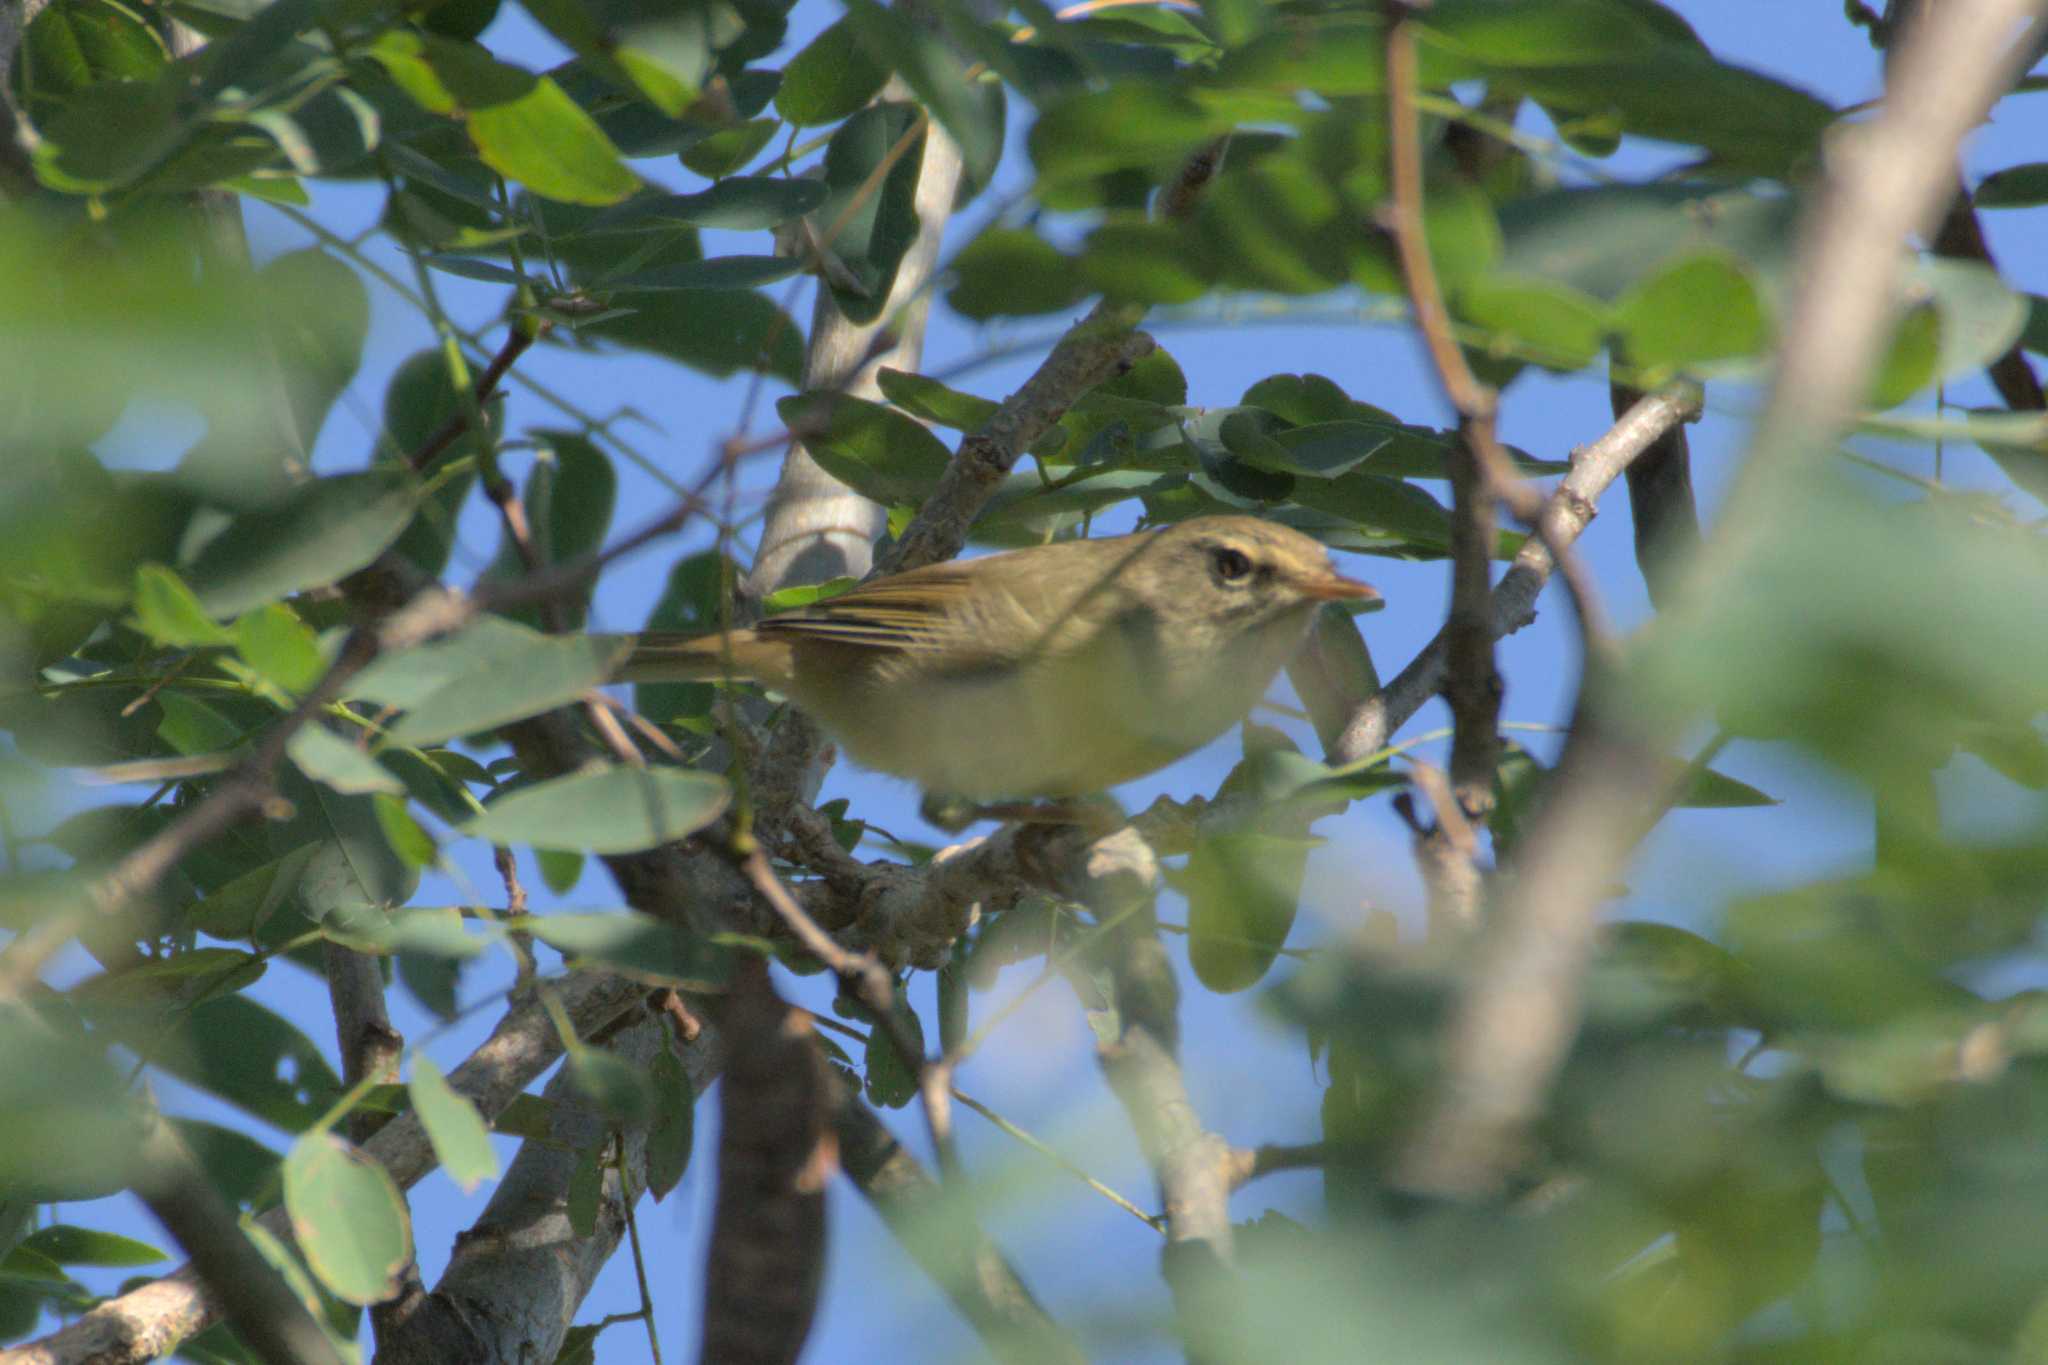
<point>1232,565</point>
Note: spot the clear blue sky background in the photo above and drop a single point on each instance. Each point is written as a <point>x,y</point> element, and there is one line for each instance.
<point>1094,1265</point>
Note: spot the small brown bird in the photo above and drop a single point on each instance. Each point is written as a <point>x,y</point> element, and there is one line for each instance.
<point>1055,671</point>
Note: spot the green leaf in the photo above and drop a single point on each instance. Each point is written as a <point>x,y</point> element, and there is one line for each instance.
<point>871,227</point>
<point>729,149</point>
<point>1243,890</point>
<point>870,447</point>
<point>586,1188</point>
<point>1323,450</point>
<point>317,533</point>
<point>1336,56</point>
<point>1698,309</point>
<point>238,909</point>
<point>1542,321</point>
<point>524,126</point>
<point>109,135</point>
<point>353,873</point>
<point>241,1168</point>
<point>2016,187</point>
<point>318,311</point>
<point>892,1077</point>
<point>739,204</point>
<point>830,78</point>
<point>930,401</point>
<point>1152,262</point>
<point>1466,240</point>
<point>71,1126</point>
<point>280,647</point>
<point>718,331</point>
<point>418,402</point>
<point>349,1219</point>
<point>569,501</point>
<point>559,871</point>
<point>618,1089</point>
<point>430,931</point>
<point>169,613</point>
<point>250,1057</point>
<point>673,1132</point>
<point>181,979</point>
<point>326,757</point>
<point>432,981</point>
<point>968,107</point>
<point>1012,272</point>
<point>408,839</point>
<point>191,726</point>
<point>579,1346</point>
<point>69,1245</point>
<point>805,594</point>
<point>605,810</point>
<point>1750,122</point>
<point>70,47</point>
<point>497,679</point>
<point>718,272</point>
<point>1912,361</point>
<point>454,1127</point>
<point>1710,790</point>
<point>635,944</point>
<point>1605,240</point>
<point>1131,125</point>
<point>1981,316</point>
<point>1379,508</point>
<point>663,51</point>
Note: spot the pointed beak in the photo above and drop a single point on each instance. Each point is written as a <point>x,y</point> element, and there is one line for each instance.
<point>1337,588</point>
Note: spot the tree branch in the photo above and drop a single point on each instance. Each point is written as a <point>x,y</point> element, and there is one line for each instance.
<point>1569,510</point>
<point>150,1321</point>
<point>1520,1006</point>
<point>776,1150</point>
<point>1117,878</point>
<point>520,1273</point>
<point>1660,500</point>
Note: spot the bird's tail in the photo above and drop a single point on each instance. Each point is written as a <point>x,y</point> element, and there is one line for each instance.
<point>668,656</point>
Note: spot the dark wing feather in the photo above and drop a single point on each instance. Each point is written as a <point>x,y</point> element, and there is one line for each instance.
<point>921,610</point>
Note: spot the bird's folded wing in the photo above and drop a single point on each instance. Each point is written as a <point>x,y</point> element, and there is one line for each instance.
<point>925,610</point>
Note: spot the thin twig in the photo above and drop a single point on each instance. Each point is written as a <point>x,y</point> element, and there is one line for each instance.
<point>1570,509</point>
<point>870,981</point>
<point>1446,850</point>
<point>1157,1222</point>
<point>1477,404</point>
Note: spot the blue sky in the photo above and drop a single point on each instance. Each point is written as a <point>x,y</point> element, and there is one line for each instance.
<point>1093,1265</point>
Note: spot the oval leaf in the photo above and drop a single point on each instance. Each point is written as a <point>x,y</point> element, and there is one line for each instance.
<point>608,810</point>
<point>453,1126</point>
<point>349,1218</point>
